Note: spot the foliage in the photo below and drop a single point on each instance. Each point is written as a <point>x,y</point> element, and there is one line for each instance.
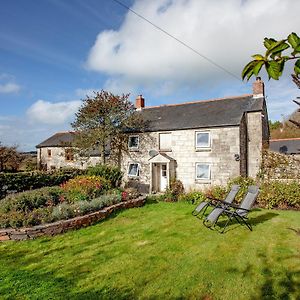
<point>273,194</point>
<point>193,197</point>
<point>18,182</point>
<point>70,210</point>
<point>113,174</point>
<point>30,200</point>
<point>274,125</point>
<point>30,207</point>
<point>158,251</point>
<point>104,119</point>
<point>10,158</point>
<point>274,58</point>
<point>85,187</point>
<point>130,193</point>
<point>278,194</point>
<point>174,191</point>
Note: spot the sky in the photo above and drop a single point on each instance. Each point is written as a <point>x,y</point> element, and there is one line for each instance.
<point>55,52</point>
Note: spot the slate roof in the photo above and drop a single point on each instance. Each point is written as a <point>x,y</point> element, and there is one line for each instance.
<point>286,146</point>
<point>59,139</point>
<point>190,115</point>
<point>200,114</point>
<point>64,139</point>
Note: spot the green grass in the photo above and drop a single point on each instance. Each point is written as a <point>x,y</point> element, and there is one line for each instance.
<point>159,251</point>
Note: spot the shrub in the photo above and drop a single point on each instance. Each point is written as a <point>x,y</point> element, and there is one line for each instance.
<point>193,197</point>
<point>277,194</point>
<point>130,193</point>
<point>23,181</point>
<point>113,174</point>
<point>30,200</point>
<point>174,191</point>
<point>273,194</point>
<point>85,187</point>
<point>69,210</point>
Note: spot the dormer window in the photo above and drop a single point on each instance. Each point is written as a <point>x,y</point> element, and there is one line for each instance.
<point>133,142</point>
<point>202,139</point>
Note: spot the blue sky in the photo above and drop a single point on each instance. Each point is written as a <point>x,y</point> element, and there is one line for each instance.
<point>54,52</point>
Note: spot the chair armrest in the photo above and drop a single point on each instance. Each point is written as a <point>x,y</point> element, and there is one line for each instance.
<point>235,206</point>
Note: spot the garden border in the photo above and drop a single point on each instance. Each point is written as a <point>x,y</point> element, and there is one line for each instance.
<point>51,229</point>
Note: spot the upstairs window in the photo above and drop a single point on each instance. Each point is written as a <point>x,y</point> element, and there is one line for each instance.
<point>165,141</point>
<point>49,152</point>
<point>203,171</point>
<point>202,139</point>
<point>69,155</point>
<point>133,170</point>
<point>133,142</point>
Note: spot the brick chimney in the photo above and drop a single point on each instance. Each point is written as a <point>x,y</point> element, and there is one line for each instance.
<point>139,102</point>
<point>258,88</point>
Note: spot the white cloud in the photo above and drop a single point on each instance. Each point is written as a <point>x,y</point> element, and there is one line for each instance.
<point>9,87</point>
<point>227,32</point>
<point>82,93</point>
<point>46,112</point>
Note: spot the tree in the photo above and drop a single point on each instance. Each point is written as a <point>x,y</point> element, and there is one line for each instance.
<point>103,121</point>
<point>274,60</point>
<point>10,158</point>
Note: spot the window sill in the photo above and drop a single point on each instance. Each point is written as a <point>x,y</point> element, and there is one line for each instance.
<point>133,150</point>
<point>203,149</point>
<point>203,181</point>
<point>165,150</point>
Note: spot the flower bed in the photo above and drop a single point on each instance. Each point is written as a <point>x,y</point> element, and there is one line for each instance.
<point>65,225</point>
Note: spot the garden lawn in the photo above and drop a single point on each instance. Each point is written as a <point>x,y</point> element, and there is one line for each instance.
<point>159,251</point>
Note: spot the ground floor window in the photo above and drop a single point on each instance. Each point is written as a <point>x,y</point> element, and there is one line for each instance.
<point>203,171</point>
<point>133,170</point>
<point>69,154</point>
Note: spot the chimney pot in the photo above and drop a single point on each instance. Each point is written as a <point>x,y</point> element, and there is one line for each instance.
<point>139,102</point>
<point>258,88</point>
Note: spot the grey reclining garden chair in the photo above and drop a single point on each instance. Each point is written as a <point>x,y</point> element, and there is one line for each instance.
<point>232,211</point>
<point>213,202</point>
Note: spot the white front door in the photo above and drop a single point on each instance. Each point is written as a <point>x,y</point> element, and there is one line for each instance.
<point>163,177</point>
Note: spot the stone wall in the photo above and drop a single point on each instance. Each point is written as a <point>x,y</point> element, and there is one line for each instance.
<point>255,142</point>
<point>57,159</point>
<point>65,225</point>
<point>276,166</point>
<point>225,143</point>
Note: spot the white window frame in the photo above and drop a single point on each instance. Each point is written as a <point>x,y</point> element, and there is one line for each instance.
<point>209,140</point>
<point>138,170</point>
<point>159,144</point>
<point>133,148</point>
<point>209,171</point>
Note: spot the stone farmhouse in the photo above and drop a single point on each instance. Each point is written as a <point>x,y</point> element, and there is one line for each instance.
<point>56,152</point>
<point>201,143</point>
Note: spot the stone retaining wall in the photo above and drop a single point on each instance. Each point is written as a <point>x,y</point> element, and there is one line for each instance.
<point>65,225</point>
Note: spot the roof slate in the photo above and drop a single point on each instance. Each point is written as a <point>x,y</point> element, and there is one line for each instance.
<point>62,139</point>
<point>286,146</point>
<point>200,114</point>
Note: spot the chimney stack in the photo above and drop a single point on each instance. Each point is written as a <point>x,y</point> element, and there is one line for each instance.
<point>139,102</point>
<point>258,88</point>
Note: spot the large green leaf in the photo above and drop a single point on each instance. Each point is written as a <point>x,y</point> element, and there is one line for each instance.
<point>269,42</point>
<point>258,66</point>
<point>294,40</point>
<point>297,67</point>
<point>277,47</point>
<point>273,69</point>
<point>248,70</point>
<point>258,57</point>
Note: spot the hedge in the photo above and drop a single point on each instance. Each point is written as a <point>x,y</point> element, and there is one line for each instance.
<point>23,181</point>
